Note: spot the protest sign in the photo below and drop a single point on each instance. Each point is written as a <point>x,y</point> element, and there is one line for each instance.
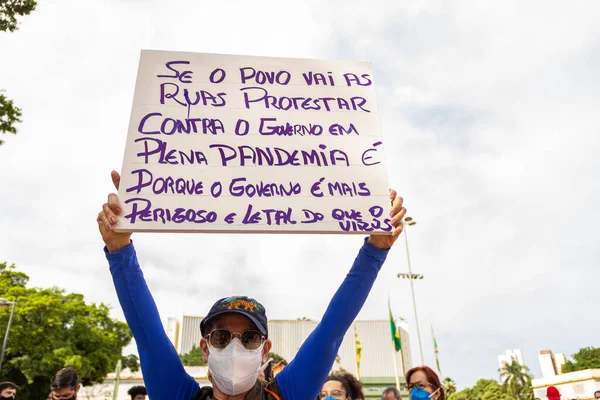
<point>225,143</point>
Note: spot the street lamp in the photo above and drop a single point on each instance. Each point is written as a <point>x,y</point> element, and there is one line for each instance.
<point>6,303</point>
<point>408,221</point>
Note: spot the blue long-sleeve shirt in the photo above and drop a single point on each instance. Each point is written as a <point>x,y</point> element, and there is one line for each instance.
<point>164,375</point>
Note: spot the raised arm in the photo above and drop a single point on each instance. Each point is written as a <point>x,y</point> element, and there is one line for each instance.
<point>303,377</point>
<point>163,372</point>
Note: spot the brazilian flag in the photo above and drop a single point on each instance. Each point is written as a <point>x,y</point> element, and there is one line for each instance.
<point>394,331</point>
<point>358,347</point>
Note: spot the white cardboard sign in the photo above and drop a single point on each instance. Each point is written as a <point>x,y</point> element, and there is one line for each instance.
<point>225,143</point>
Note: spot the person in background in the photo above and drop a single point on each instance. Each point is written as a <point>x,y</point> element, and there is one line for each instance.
<point>65,385</point>
<point>424,384</point>
<point>137,393</point>
<point>552,393</point>
<point>391,393</point>
<point>8,391</point>
<point>339,386</point>
<point>597,394</point>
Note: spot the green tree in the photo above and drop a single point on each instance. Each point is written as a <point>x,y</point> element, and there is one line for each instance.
<point>585,358</point>
<point>484,389</point>
<point>51,330</point>
<point>10,9</point>
<point>132,362</point>
<point>516,380</point>
<point>449,386</point>
<point>193,358</point>
<point>495,392</point>
<point>9,115</point>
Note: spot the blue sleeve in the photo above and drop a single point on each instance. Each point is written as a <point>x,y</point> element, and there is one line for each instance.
<point>164,375</point>
<point>303,377</point>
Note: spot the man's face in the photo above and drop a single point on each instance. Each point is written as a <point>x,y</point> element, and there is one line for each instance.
<point>597,395</point>
<point>65,393</point>
<point>139,397</point>
<point>233,322</point>
<point>388,396</point>
<point>8,392</point>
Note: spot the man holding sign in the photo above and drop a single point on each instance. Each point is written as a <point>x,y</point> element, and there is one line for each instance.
<point>225,143</point>
<point>235,339</point>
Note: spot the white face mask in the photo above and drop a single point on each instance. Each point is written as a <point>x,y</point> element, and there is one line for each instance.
<point>234,369</point>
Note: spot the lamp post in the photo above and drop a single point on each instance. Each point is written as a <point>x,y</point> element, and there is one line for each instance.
<point>408,221</point>
<point>6,303</point>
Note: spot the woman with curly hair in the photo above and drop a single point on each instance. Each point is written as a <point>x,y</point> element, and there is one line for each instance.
<point>341,386</point>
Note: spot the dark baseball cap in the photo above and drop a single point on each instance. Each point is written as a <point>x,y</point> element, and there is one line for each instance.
<point>241,305</point>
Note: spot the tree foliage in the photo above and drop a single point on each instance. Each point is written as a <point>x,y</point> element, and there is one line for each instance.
<point>516,380</point>
<point>449,386</point>
<point>51,330</point>
<point>9,115</point>
<point>484,389</point>
<point>585,358</point>
<point>193,358</point>
<point>11,9</point>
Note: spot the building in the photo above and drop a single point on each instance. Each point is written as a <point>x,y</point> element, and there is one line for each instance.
<point>572,385</point>
<point>172,330</point>
<point>510,355</point>
<point>551,364</point>
<point>127,380</point>
<point>508,358</point>
<point>189,334</point>
<point>377,360</point>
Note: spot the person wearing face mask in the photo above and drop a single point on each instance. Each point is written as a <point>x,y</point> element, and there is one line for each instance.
<point>341,386</point>
<point>235,340</point>
<point>65,385</point>
<point>137,393</point>
<point>8,391</point>
<point>424,384</point>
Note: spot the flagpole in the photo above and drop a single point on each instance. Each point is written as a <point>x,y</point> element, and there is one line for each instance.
<point>392,321</point>
<point>402,371</point>
<point>396,366</point>
<point>435,352</point>
<point>412,291</point>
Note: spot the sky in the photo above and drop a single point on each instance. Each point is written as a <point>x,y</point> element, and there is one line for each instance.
<point>489,118</point>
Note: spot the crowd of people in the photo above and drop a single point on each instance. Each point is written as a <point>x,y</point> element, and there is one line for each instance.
<point>65,386</point>
<point>422,384</point>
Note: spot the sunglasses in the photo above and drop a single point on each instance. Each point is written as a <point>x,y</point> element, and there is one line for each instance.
<point>220,338</point>
<point>410,386</point>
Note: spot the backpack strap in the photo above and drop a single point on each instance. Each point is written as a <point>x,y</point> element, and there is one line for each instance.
<point>272,394</point>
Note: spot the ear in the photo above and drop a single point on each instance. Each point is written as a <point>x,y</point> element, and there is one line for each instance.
<point>77,388</point>
<point>267,350</point>
<point>204,347</point>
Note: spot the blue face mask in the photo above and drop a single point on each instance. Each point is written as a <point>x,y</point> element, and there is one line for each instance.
<point>329,398</point>
<point>419,394</point>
